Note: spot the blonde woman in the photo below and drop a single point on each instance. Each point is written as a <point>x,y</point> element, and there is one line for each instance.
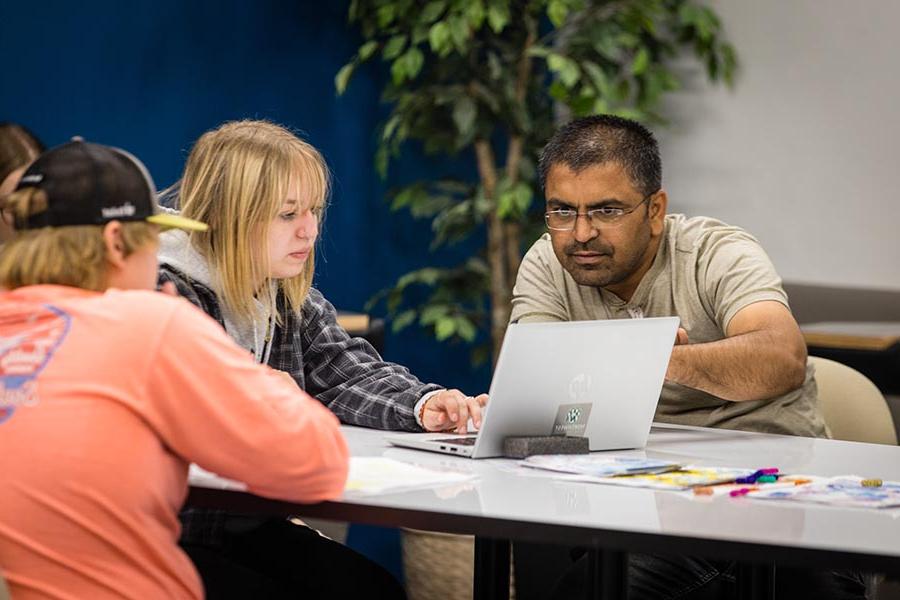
<point>263,191</point>
<point>105,372</point>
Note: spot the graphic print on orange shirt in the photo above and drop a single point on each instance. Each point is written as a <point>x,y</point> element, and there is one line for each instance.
<point>26,347</point>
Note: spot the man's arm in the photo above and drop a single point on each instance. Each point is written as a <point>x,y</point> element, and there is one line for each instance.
<point>763,356</point>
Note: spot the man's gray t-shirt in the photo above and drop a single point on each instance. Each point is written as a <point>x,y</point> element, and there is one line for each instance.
<point>704,273</point>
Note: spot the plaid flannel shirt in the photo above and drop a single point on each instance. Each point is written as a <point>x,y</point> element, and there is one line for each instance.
<point>345,373</point>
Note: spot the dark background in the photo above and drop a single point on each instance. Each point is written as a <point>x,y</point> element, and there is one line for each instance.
<point>151,77</point>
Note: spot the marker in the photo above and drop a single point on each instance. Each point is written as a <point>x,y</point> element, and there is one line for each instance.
<point>871,483</point>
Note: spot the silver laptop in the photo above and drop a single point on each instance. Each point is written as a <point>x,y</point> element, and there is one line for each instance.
<point>599,379</point>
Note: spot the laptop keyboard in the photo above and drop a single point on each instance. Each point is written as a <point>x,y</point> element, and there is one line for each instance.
<point>461,441</point>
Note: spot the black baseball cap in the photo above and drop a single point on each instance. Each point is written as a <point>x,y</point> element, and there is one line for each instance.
<point>92,184</point>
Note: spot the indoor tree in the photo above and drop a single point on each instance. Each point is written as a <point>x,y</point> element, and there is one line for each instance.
<point>493,78</point>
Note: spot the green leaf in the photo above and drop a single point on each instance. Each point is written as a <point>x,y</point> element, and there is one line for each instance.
<point>407,196</point>
<point>605,45</point>
<point>414,61</point>
<point>394,47</point>
<point>566,68</point>
<point>382,157</point>
<point>459,31</point>
<point>498,15</point>
<point>558,91</point>
<point>522,197</point>
<point>641,62</point>
<point>420,34</point>
<point>465,112</point>
<point>398,71</point>
<point>557,11</point>
<point>407,66</point>
<point>729,63</point>
<point>427,276</point>
<point>538,51</point>
<point>598,78</point>
<point>627,39</point>
<point>439,38</point>
<point>386,14</point>
<point>432,11</point>
<point>390,126</point>
<point>444,328</point>
<point>403,320</point>
<point>706,24</point>
<point>514,201</point>
<point>367,50</point>
<point>343,77</point>
<point>432,314</point>
<point>353,12</point>
<point>630,113</point>
<point>465,329</point>
<point>475,14</point>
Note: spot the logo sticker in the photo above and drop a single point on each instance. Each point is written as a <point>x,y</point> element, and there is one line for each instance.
<point>572,419</point>
<point>26,348</point>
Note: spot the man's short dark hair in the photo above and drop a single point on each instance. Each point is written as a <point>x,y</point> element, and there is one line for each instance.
<point>602,139</point>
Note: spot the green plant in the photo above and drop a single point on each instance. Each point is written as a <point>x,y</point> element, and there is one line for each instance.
<point>488,77</point>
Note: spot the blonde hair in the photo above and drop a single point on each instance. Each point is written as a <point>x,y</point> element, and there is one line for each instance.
<point>236,179</point>
<point>73,255</point>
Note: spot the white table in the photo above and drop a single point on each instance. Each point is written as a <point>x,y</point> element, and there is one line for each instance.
<point>503,505</point>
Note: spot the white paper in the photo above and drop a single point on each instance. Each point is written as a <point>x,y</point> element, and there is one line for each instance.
<point>375,475</point>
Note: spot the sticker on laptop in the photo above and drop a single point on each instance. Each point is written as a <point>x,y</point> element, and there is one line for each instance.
<point>572,419</point>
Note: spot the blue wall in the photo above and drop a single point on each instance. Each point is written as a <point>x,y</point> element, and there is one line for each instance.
<point>152,76</point>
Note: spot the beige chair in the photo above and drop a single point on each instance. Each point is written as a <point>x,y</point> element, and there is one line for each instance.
<point>854,409</point>
<point>439,566</point>
<point>4,591</point>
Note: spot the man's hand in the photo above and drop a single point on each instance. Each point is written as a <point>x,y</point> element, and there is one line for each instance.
<point>451,409</point>
<point>681,338</point>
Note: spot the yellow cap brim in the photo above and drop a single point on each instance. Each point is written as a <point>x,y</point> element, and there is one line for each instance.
<point>173,221</point>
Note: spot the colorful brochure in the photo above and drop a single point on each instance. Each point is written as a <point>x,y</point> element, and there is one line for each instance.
<point>681,479</point>
<point>844,491</point>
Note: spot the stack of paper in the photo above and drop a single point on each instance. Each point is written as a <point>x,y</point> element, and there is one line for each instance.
<point>595,465</point>
<point>635,472</point>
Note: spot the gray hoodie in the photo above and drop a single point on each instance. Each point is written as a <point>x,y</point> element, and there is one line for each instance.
<point>175,249</point>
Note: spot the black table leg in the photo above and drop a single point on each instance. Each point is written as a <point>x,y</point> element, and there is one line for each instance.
<point>491,569</point>
<point>756,581</point>
<point>607,574</point>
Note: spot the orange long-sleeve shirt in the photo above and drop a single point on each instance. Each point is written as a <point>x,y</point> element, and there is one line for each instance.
<point>104,401</point>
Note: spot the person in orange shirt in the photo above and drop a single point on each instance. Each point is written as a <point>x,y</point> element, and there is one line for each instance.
<point>109,390</point>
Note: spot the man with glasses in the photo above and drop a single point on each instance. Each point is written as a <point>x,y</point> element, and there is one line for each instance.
<point>611,252</point>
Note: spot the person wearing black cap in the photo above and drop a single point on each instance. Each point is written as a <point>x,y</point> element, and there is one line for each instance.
<point>109,390</point>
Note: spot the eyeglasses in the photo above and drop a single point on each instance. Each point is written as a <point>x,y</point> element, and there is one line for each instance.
<point>605,217</point>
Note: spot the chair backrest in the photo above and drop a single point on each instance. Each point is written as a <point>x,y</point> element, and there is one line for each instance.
<point>854,409</point>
